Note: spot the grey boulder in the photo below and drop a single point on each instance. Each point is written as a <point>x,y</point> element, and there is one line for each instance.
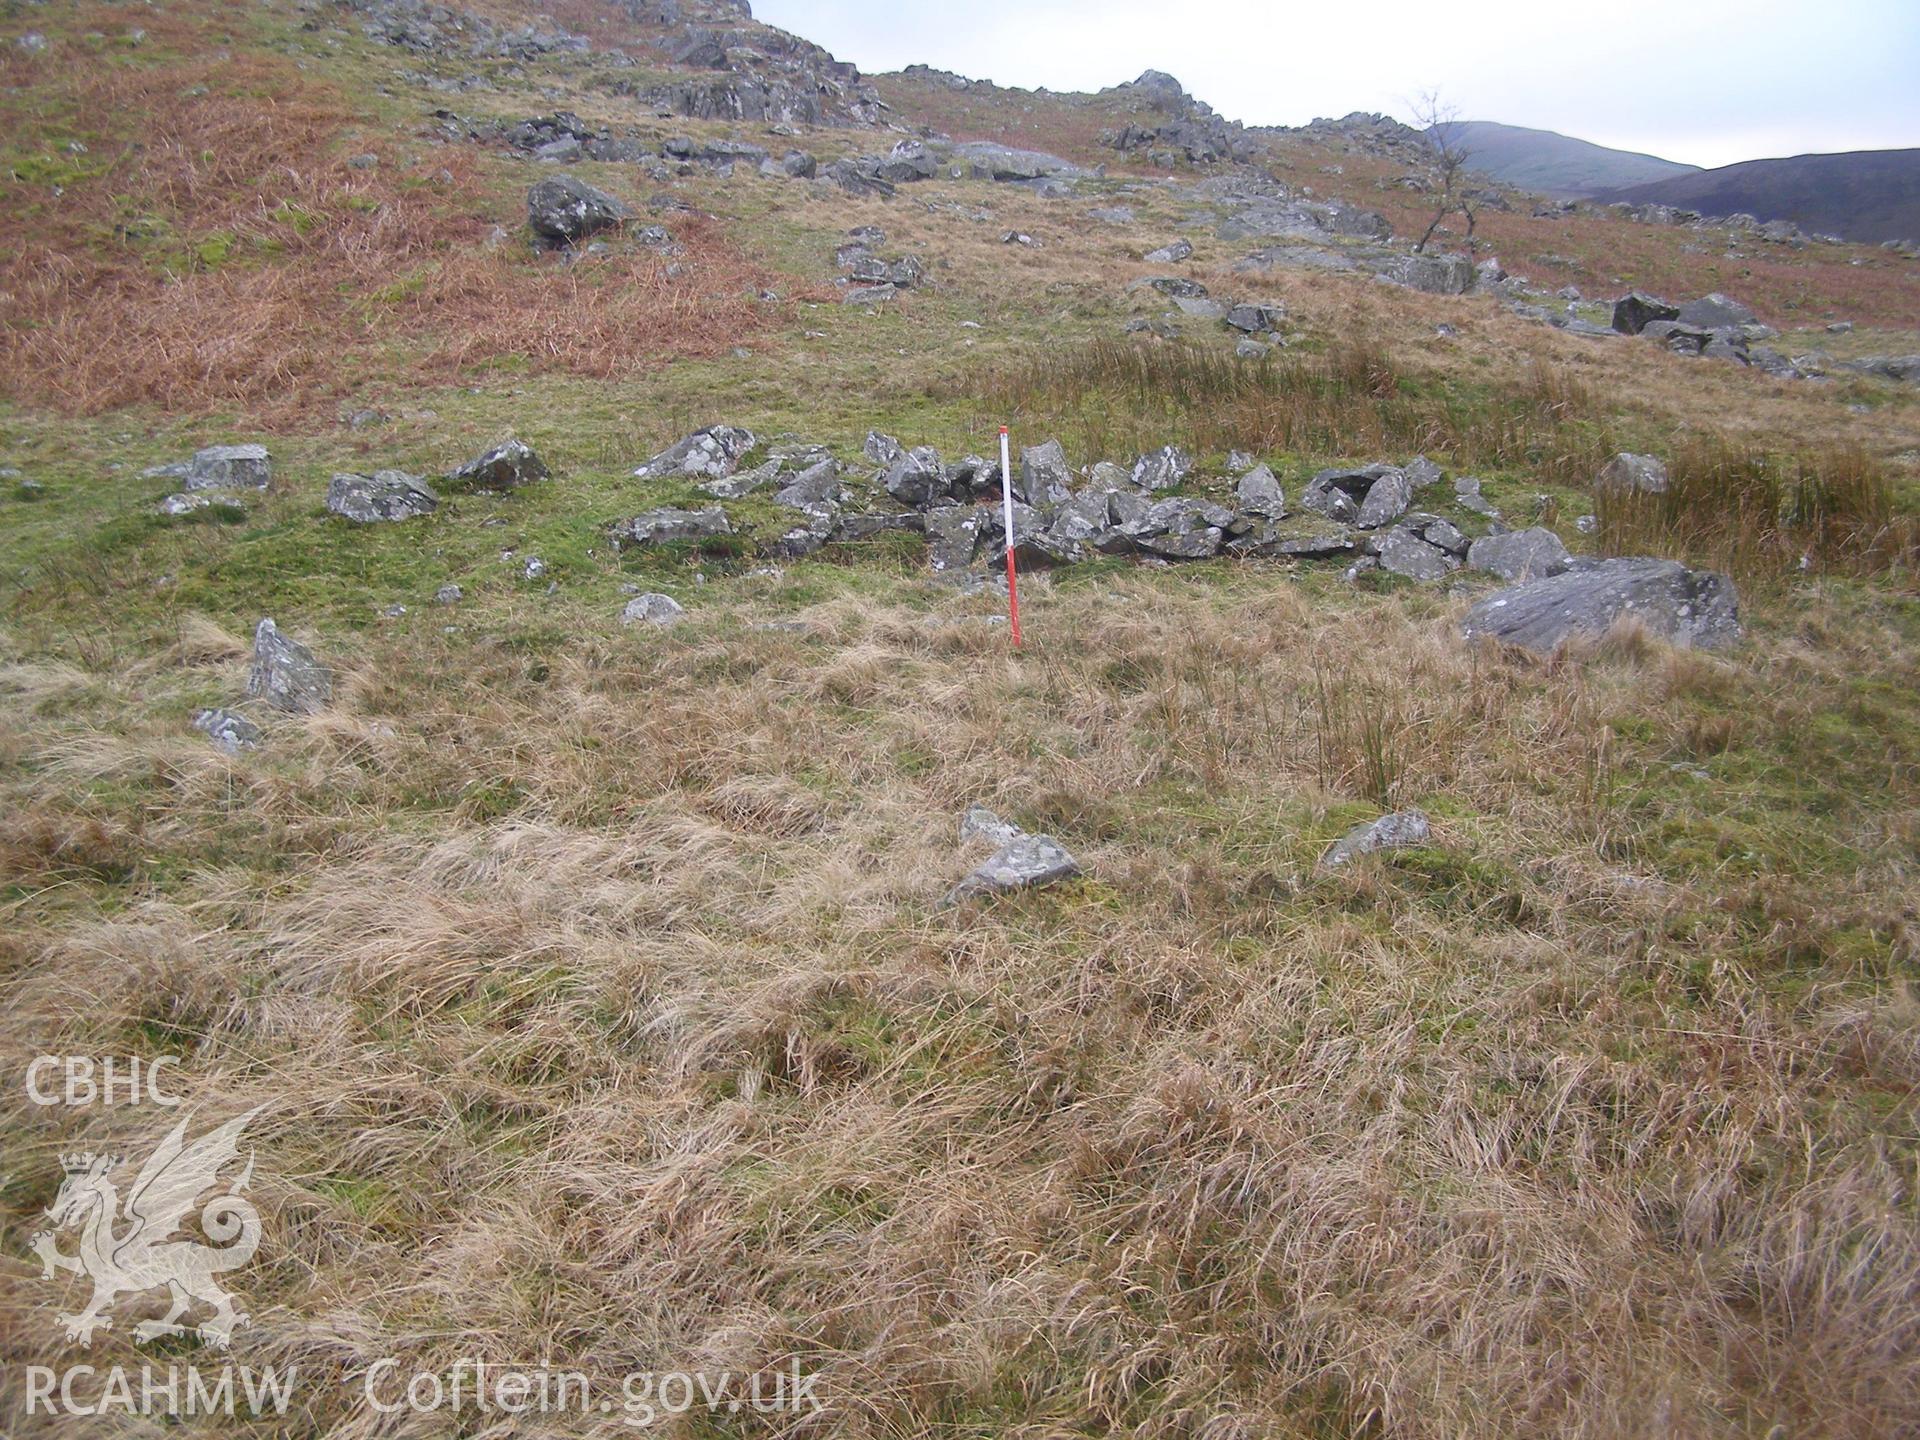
<point>1520,554</point>
<point>382,496</point>
<point>1387,499</point>
<point>1397,831</point>
<point>652,608</point>
<point>953,532</point>
<point>1021,862</point>
<point>1260,494</point>
<point>562,210</point>
<point>1044,476</point>
<point>916,477</point>
<point>507,466</point>
<point>816,487</point>
<point>230,467</point>
<point>1163,469</point>
<point>1627,473</point>
<point>1434,274</point>
<point>988,160</point>
<point>1423,472</point>
<point>286,674</point>
<point>228,730</point>
<point>1715,312</point>
<point>708,454</point>
<point>1406,552</point>
<point>1254,319</point>
<point>1633,312</point>
<point>1691,608</point>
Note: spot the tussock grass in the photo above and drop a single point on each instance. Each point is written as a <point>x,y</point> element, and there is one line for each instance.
<point>1596,1110</point>
<point>1762,513</point>
<point>1354,397</point>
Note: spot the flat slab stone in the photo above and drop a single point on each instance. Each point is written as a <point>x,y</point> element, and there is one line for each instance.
<point>1022,863</point>
<point>1691,608</point>
<point>668,523</point>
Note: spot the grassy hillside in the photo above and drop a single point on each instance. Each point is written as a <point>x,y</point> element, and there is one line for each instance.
<point>597,979</point>
<point>1554,164</point>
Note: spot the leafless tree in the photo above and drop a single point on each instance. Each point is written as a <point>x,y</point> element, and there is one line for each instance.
<point>1447,167</point>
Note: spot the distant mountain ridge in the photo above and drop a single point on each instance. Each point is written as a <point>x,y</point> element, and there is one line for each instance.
<point>1864,195</point>
<point>1554,164</point>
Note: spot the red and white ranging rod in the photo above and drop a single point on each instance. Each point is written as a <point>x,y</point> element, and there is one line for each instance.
<point>1006,515</point>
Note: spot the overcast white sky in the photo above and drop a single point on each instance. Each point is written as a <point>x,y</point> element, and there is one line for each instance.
<point>1707,82</point>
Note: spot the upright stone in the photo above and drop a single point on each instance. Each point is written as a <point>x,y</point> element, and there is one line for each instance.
<point>1044,476</point>
<point>286,673</point>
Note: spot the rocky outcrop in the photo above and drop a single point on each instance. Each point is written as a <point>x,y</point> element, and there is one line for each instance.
<point>985,160</point>
<point>434,29</point>
<point>1177,129</point>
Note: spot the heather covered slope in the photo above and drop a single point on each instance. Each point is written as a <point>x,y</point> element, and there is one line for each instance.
<point>592,940</point>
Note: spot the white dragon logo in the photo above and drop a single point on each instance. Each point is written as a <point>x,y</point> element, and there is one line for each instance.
<point>144,1255</point>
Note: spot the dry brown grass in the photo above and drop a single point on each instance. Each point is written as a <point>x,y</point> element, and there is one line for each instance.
<point>663,1056</point>
<point>1116,396</point>
<point>1762,515</point>
<point>285,277</point>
